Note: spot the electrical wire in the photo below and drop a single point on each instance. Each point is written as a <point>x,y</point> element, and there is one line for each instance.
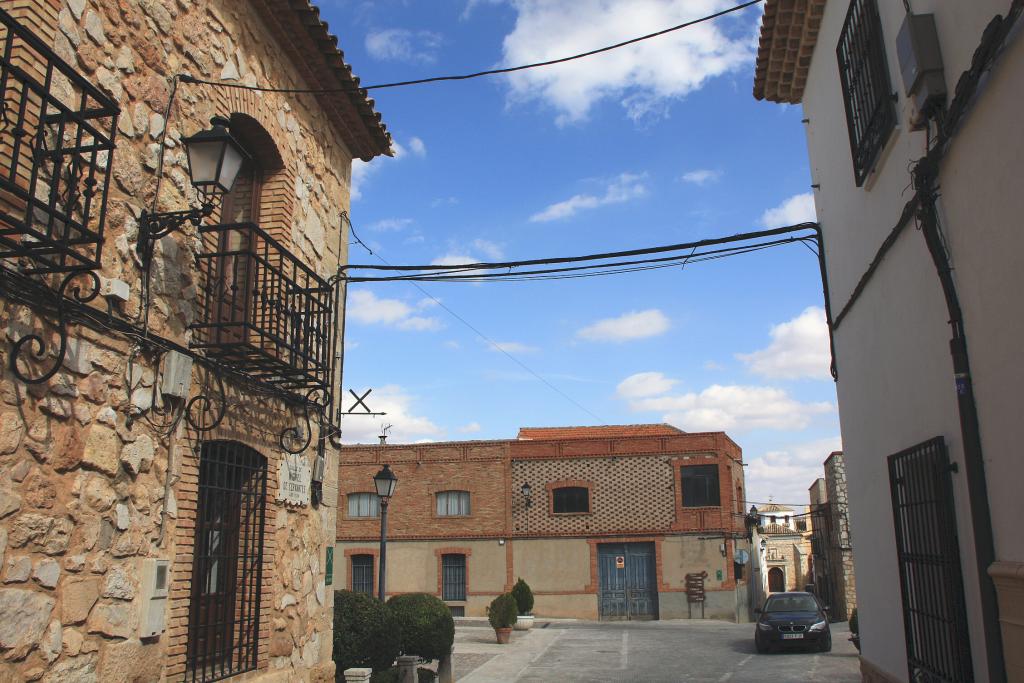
<point>489,72</point>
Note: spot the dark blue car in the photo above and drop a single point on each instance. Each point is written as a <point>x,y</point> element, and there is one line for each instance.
<point>792,620</point>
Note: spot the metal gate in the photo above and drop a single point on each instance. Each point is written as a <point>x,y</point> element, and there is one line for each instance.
<point>628,581</point>
<point>934,617</point>
<point>824,550</point>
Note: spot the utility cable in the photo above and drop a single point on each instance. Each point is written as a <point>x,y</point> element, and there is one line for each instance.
<point>489,72</point>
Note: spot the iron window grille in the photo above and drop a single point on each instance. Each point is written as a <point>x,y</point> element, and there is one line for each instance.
<point>928,554</point>
<point>453,571</point>
<point>56,145</point>
<point>264,311</point>
<point>700,486</point>
<point>453,504</point>
<point>227,566</point>
<point>570,499</point>
<point>363,505</point>
<point>867,91</point>
<point>362,574</point>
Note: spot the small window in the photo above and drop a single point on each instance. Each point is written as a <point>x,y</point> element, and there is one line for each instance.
<point>453,503</point>
<point>363,505</point>
<point>453,577</point>
<point>700,486</point>
<point>571,499</point>
<point>362,574</point>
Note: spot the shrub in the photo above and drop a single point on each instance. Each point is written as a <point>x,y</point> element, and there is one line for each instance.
<point>854,625</point>
<point>427,627</point>
<point>502,611</point>
<point>523,595</point>
<point>365,632</point>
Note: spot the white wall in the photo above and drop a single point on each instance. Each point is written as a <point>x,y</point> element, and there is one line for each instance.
<point>895,384</point>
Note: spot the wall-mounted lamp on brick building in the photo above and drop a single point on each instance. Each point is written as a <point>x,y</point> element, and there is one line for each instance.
<point>526,495</point>
<point>385,483</point>
<point>214,160</point>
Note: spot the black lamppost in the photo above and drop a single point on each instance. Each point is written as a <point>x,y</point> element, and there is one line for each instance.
<point>385,482</point>
<point>214,160</point>
<point>527,502</point>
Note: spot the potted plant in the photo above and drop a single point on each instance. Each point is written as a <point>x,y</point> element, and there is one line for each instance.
<point>855,630</point>
<point>524,602</point>
<point>502,614</point>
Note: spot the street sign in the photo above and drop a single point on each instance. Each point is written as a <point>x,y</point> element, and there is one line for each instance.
<point>620,562</point>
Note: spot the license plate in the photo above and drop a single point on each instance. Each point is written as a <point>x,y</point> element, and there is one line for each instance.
<point>792,636</point>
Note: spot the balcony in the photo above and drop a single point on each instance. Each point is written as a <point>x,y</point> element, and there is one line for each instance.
<point>263,311</point>
<point>56,143</point>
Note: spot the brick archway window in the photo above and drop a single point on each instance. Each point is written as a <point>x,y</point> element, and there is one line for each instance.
<point>245,202</point>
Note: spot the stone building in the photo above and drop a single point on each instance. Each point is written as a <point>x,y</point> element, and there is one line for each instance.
<point>785,551</point>
<point>586,515</point>
<point>831,544</point>
<point>164,415</point>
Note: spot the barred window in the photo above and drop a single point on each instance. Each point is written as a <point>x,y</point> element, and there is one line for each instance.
<point>867,91</point>
<point>453,573</point>
<point>363,505</point>
<point>700,486</point>
<point>453,503</point>
<point>570,499</point>
<point>362,574</point>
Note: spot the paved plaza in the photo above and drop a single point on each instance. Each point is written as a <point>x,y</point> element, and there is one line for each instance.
<point>683,650</point>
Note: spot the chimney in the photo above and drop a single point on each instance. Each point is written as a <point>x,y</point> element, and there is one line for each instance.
<point>383,439</point>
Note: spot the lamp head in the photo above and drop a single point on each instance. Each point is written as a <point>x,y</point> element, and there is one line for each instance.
<point>214,158</point>
<point>385,482</point>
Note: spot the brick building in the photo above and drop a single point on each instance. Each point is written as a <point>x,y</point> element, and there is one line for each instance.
<point>612,511</point>
<point>147,399</point>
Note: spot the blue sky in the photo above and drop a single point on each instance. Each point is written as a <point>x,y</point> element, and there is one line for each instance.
<point>653,144</point>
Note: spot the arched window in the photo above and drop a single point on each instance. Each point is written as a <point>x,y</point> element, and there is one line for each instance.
<point>453,503</point>
<point>363,505</point>
<point>245,201</point>
<point>227,564</point>
<point>570,500</point>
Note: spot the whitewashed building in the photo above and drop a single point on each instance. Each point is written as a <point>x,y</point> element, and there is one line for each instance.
<point>912,113</point>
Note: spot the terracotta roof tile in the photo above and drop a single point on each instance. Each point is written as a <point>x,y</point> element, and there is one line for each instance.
<point>774,507</point>
<point>789,32</point>
<point>778,529</point>
<point>598,432</point>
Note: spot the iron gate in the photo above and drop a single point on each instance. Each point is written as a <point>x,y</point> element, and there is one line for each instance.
<point>934,616</point>
<point>227,569</point>
<point>824,549</point>
<point>628,581</point>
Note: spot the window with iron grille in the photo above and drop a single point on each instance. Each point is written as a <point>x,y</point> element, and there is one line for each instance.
<point>227,565</point>
<point>453,503</point>
<point>453,577</point>
<point>928,554</point>
<point>363,505</point>
<point>700,486</point>
<point>362,574</point>
<point>867,92</point>
<point>570,499</point>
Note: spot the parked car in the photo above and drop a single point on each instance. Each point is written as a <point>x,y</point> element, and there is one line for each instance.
<point>794,619</point>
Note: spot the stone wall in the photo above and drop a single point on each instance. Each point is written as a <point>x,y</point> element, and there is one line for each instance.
<point>93,477</point>
<point>841,561</point>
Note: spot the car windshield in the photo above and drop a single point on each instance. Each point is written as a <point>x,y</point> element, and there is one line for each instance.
<point>791,603</point>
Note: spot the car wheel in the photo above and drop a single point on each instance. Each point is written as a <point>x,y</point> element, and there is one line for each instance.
<point>761,647</point>
<point>825,644</point>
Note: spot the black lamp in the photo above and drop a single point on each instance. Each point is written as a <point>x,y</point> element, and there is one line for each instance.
<point>385,482</point>
<point>214,160</point>
<point>526,495</point>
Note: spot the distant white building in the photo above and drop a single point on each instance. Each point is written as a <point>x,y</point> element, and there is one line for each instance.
<point>913,118</point>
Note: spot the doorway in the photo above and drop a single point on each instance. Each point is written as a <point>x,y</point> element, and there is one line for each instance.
<point>776,580</point>
<point>628,581</point>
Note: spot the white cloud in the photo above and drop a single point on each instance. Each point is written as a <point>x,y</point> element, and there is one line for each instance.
<point>417,147</point>
<point>365,307</point>
<point>787,473</point>
<point>622,189</point>
<point>454,259</point>
<point>444,201</point>
<point>406,426</point>
<point>453,345</point>
<point>463,254</point>
<point>390,224</point>
<point>471,428</point>
<point>797,209</point>
<point>701,177</point>
<point>644,384</point>
<point>799,348</point>
<point>734,408</point>
<point>645,76</point>
<point>512,347</point>
<point>362,170</point>
<point>627,327</point>
<point>403,45</point>
<point>473,4</point>
<point>489,249</point>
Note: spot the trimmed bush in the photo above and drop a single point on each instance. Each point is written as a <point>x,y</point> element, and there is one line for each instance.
<point>366,633</point>
<point>503,611</point>
<point>427,627</point>
<point>523,595</point>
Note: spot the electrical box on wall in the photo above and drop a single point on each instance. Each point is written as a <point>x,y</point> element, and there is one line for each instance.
<point>154,582</point>
<point>917,47</point>
<point>177,375</point>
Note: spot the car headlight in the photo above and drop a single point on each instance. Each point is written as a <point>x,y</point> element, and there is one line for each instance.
<point>818,626</point>
<point>762,626</point>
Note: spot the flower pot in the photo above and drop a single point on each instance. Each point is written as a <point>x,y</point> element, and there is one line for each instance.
<point>503,634</point>
<point>524,622</point>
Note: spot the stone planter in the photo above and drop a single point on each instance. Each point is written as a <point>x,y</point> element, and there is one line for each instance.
<point>503,635</point>
<point>524,622</point>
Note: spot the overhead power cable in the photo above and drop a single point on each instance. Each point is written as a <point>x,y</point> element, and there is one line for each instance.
<point>477,74</point>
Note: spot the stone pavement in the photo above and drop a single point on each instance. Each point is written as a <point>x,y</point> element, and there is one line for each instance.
<point>679,650</point>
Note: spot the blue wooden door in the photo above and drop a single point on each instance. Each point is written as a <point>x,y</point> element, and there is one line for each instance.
<point>627,581</point>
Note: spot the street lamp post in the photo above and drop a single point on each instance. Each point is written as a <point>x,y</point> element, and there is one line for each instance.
<point>385,482</point>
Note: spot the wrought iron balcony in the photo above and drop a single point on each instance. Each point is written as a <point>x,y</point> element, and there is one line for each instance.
<point>56,146</point>
<point>264,311</point>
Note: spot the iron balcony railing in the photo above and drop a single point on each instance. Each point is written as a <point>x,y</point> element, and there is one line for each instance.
<point>264,311</point>
<point>56,146</point>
